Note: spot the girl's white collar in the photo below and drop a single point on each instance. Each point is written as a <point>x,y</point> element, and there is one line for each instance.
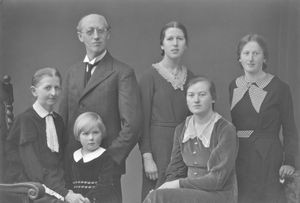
<point>77,155</point>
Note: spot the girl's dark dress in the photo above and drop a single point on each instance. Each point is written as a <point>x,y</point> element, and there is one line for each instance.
<point>259,111</point>
<point>95,179</point>
<point>164,108</point>
<point>29,158</point>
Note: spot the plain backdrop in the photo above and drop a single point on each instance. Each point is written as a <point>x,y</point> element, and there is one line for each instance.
<point>40,33</point>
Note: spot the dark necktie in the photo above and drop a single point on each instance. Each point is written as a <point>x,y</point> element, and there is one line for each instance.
<point>88,71</point>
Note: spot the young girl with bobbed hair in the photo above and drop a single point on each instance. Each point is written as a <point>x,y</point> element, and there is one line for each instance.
<point>93,169</point>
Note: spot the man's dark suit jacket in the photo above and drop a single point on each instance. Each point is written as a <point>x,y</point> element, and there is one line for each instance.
<point>112,92</point>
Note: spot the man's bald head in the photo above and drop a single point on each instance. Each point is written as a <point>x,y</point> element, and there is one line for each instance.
<point>91,17</point>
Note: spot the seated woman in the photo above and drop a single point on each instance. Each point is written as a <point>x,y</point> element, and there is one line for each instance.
<point>34,145</point>
<point>202,166</point>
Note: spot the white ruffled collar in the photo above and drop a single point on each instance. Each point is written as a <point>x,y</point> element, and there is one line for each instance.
<point>203,134</point>
<point>77,155</point>
<point>177,81</point>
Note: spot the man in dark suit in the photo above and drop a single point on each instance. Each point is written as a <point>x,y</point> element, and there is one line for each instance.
<point>102,84</point>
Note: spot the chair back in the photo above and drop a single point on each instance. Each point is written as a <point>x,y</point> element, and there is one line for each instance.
<point>25,192</point>
<point>6,116</point>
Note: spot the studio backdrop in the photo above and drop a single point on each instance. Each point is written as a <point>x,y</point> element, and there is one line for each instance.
<point>40,33</point>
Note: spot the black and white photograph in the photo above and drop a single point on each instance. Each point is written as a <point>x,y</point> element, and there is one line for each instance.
<point>150,101</point>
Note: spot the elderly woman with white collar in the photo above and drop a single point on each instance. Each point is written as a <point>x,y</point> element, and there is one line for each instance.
<point>202,166</point>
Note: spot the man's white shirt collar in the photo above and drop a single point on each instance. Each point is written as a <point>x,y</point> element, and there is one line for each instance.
<point>94,60</point>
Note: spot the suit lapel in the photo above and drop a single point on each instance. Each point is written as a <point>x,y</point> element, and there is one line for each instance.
<point>79,74</point>
<point>103,70</point>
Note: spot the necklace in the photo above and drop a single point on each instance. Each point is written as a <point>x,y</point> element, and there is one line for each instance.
<point>173,71</point>
<point>178,80</point>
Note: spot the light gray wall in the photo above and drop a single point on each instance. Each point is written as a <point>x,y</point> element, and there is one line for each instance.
<point>39,33</point>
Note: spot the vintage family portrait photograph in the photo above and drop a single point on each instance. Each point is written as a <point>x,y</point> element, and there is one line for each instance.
<point>149,101</point>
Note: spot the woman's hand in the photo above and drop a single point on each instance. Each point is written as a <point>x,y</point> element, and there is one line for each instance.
<point>286,170</point>
<point>72,197</point>
<point>87,200</point>
<point>150,166</point>
<point>170,185</point>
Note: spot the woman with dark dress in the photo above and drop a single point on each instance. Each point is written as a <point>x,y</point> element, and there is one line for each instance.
<point>163,100</point>
<point>93,169</point>
<point>261,106</point>
<point>202,166</point>
<point>34,147</point>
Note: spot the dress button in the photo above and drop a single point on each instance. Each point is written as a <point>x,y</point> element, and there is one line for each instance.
<point>195,173</point>
<point>194,152</point>
<point>196,143</point>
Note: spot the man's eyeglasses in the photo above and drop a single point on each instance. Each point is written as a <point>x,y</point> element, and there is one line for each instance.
<point>91,31</point>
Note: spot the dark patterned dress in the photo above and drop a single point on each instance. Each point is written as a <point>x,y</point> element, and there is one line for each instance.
<point>259,111</point>
<point>95,179</point>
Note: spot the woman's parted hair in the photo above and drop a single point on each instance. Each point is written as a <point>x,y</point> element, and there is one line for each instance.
<point>86,121</point>
<point>212,86</point>
<point>172,24</point>
<point>253,38</point>
<point>48,71</point>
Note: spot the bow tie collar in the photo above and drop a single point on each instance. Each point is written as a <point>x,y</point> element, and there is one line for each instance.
<point>51,135</point>
<point>256,92</point>
<point>52,140</point>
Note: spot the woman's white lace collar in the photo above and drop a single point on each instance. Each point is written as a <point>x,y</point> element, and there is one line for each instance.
<point>177,80</point>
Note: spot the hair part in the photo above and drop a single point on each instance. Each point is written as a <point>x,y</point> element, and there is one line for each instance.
<point>48,71</point>
<point>86,121</point>
<point>253,38</point>
<point>172,24</point>
<point>212,86</point>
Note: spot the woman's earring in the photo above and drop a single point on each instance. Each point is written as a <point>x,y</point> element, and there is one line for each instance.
<point>162,51</point>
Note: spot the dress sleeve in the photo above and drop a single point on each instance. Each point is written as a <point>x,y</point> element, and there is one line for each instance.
<point>146,91</point>
<point>176,168</point>
<point>25,159</point>
<point>289,130</point>
<point>53,178</point>
<point>221,163</point>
